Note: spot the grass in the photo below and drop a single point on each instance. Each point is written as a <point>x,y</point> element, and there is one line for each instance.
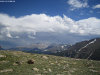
<point>45,65</point>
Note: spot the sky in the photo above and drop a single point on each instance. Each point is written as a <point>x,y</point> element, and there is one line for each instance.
<point>31,21</point>
<point>75,9</point>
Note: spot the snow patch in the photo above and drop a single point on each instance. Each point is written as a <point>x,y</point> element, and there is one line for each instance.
<point>87,44</point>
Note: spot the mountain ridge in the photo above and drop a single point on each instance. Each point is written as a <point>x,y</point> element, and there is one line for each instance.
<point>89,49</point>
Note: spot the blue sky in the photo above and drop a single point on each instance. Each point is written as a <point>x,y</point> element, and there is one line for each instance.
<point>50,7</point>
<point>53,21</point>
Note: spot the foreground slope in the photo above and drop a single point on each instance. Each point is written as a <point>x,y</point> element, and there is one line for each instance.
<point>17,63</point>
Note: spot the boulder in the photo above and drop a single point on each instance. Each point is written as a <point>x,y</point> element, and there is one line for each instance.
<point>30,61</point>
<point>6,70</point>
<point>18,62</point>
<point>45,57</point>
<point>2,56</point>
<point>35,69</point>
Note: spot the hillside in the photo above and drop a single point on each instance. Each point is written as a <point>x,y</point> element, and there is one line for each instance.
<point>89,49</point>
<point>20,63</point>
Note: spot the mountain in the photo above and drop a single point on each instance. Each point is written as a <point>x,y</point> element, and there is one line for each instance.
<point>89,49</point>
<point>41,48</point>
<point>54,48</point>
<point>1,48</point>
<point>21,63</point>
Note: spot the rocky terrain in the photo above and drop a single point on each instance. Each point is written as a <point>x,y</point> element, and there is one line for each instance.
<point>21,63</point>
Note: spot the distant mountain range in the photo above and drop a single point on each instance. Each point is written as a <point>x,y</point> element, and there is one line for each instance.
<point>43,48</point>
<point>89,49</point>
<point>86,50</point>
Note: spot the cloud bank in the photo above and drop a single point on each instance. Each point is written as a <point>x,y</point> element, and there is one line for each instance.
<point>12,27</point>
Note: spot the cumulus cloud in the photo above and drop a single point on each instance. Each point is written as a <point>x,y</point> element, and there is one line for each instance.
<point>96,6</point>
<point>29,25</point>
<point>76,4</point>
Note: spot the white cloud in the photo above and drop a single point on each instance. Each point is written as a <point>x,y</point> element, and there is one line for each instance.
<point>76,4</point>
<point>30,24</point>
<point>96,6</point>
<point>89,26</point>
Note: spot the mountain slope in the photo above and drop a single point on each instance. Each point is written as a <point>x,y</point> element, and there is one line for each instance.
<point>90,50</point>
<point>86,49</point>
<point>20,63</point>
<point>1,48</point>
